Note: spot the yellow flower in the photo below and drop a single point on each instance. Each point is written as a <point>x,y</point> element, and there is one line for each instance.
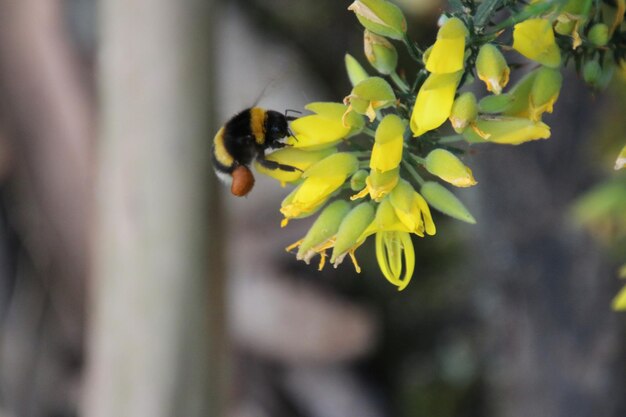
<point>448,52</point>
<point>492,68</point>
<point>326,127</point>
<point>321,236</point>
<point>350,230</point>
<point>507,130</point>
<point>320,182</point>
<point>449,168</point>
<point>369,95</point>
<point>381,17</point>
<point>534,94</point>
<point>395,254</point>
<point>379,184</point>
<point>534,39</point>
<point>434,102</point>
<point>298,158</point>
<point>389,141</point>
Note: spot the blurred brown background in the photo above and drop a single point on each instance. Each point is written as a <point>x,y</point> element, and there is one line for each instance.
<point>132,284</point>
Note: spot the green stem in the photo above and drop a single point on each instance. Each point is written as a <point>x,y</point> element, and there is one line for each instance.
<point>418,159</point>
<point>486,9</point>
<point>531,10</point>
<point>410,46</point>
<point>413,172</point>
<point>402,85</point>
<point>369,132</point>
<point>451,139</point>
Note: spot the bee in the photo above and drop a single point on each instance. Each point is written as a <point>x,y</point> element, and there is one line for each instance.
<point>244,139</point>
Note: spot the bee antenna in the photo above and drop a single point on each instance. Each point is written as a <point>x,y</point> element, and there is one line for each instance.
<point>291,134</point>
<point>291,118</point>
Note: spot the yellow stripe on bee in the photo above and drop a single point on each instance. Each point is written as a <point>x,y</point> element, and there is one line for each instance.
<point>221,154</point>
<point>257,124</point>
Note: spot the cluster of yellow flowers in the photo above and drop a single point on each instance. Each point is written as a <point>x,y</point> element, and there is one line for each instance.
<point>374,150</point>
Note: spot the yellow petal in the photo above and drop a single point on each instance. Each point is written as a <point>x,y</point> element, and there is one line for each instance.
<point>534,38</point>
<point>448,52</point>
<point>434,102</point>
<point>389,141</point>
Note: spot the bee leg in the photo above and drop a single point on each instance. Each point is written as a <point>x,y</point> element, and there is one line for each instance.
<point>275,165</point>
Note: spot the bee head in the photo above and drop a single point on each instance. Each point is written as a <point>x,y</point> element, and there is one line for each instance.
<point>276,126</point>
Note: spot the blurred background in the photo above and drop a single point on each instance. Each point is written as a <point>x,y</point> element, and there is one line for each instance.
<point>132,284</point>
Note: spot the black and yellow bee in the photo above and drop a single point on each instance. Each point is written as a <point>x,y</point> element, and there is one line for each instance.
<point>245,138</point>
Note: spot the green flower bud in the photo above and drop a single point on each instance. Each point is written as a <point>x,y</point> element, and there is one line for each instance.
<point>380,52</point>
<point>442,199</point>
<point>599,34</point>
<point>507,130</point>
<point>492,68</point>
<point>620,162</point>
<point>370,95</point>
<point>565,27</point>
<point>381,17</point>
<point>592,72</point>
<point>464,111</point>
<point>355,71</point>
<point>324,228</point>
<point>350,229</point>
<point>357,182</point>
<point>445,165</point>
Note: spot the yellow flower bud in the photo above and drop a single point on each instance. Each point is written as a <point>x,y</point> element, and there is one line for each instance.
<point>370,95</point>
<point>294,157</point>
<point>380,53</point>
<point>443,200</point>
<point>356,73</point>
<point>599,34</point>
<point>327,127</point>
<point>434,102</point>
<point>496,104</point>
<point>350,230</point>
<point>492,68</point>
<point>534,39</point>
<point>411,209</point>
<point>507,130</point>
<point>381,17</point>
<point>448,52</point>
<point>544,92</point>
<point>448,167</point>
<point>389,141</point>
<point>464,111</point>
<point>620,162</point>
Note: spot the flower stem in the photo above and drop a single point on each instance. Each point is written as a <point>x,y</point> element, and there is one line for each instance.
<point>369,132</point>
<point>413,172</point>
<point>451,139</point>
<point>402,85</point>
<point>413,51</point>
<point>417,159</point>
<point>532,10</point>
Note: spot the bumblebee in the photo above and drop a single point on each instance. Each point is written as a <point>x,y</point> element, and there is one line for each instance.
<point>245,138</point>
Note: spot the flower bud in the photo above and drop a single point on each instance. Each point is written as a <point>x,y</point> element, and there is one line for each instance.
<point>496,104</point>
<point>442,199</point>
<point>294,157</point>
<point>492,68</point>
<point>389,141</point>
<point>357,181</point>
<point>599,34</point>
<point>592,72</point>
<point>378,184</point>
<point>324,228</point>
<point>434,102</point>
<point>350,229</point>
<point>544,92</point>
<point>356,73</point>
<point>381,17</point>
<point>326,127</point>
<point>370,95</point>
<point>448,167</point>
<point>565,27</point>
<point>464,111</point>
<point>380,53</point>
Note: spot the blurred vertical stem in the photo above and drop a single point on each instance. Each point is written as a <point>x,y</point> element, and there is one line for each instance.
<point>156,335</point>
